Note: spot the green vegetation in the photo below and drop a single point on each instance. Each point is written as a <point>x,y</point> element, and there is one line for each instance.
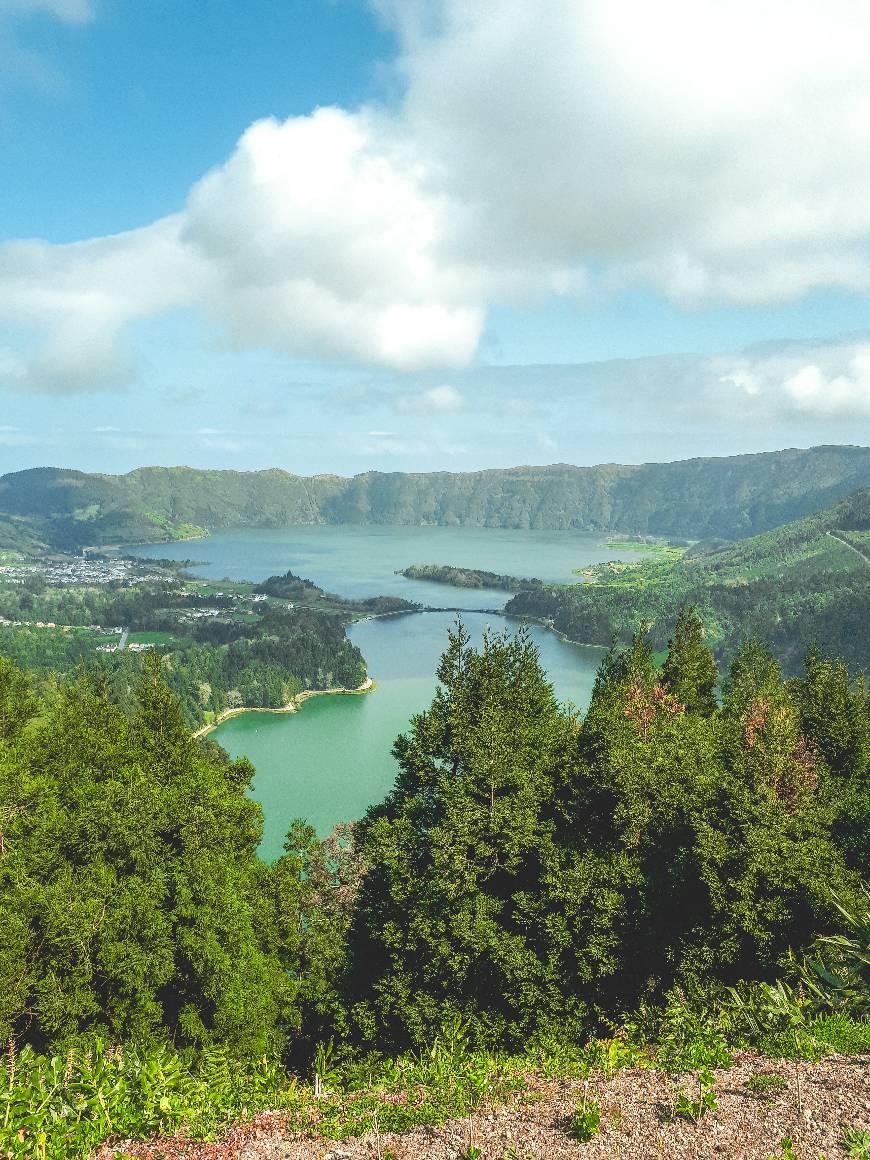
<point>630,572</point>
<point>154,638</point>
<point>787,1151</point>
<point>554,872</point>
<point>766,1085</point>
<point>586,1121</point>
<point>468,577</point>
<point>686,872</point>
<point>640,544</point>
<point>795,586</point>
<point>694,1106</point>
<point>730,497</point>
<point>217,652</point>
<point>857,1143</point>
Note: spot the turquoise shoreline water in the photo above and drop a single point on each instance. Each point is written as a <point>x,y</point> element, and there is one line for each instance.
<point>330,761</point>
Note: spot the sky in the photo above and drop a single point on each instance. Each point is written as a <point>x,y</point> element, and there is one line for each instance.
<point>341,235</point>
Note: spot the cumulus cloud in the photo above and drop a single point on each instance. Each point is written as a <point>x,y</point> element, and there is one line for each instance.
<point>827,382</point>
<point>844,394</point>
<point>716,153</point>
<point>712,150</point>
<point>318,239</point>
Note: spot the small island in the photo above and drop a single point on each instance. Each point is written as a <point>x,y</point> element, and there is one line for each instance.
<point>468,577</point>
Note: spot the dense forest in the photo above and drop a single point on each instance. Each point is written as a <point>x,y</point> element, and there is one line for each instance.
<point>530,872</point>
<point>805,583</point>
<point>731,497</point>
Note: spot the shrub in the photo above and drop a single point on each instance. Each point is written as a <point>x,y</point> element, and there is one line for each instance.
<point>767,1085</point>
<point>857,1143</point>
<point>586,1121</point>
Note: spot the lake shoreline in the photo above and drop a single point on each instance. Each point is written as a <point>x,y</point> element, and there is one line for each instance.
<point>368,684</point>
<point>292,705</point>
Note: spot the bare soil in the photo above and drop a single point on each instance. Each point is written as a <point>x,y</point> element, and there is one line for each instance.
<point>819,1101</point>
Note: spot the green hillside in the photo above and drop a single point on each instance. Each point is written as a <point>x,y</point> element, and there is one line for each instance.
<point>728,497</point>
<point>805,583</point>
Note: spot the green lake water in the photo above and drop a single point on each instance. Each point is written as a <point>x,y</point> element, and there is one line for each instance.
<point>330,761</point>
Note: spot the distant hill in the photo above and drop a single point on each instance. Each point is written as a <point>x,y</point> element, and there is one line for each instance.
<point>806,582</point>
<point>728,498</point>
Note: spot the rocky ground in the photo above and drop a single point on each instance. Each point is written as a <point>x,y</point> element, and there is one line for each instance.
<point>812,1108</point>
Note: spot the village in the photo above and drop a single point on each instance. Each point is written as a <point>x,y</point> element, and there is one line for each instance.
<point>83,571</point>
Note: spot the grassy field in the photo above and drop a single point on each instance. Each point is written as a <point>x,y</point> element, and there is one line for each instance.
<point>654,569</point>
<point>213,587</point>
<point>636,546</point>
<point>158,638</point>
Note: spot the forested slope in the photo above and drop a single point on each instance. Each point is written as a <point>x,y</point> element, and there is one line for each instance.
<point>807,582</point>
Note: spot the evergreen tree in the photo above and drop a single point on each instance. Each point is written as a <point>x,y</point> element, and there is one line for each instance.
<point>835,719</point>
<point>771,855</point>
<point>689,672</point>
<point>141,906</point>
<point>17,701</point>
<point>454,915</point>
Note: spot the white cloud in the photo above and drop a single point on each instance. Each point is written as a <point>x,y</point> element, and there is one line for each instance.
<point>713,150</point>
<point>317,238</point>
<point>829,381</point>
<point>716,152</point>
<point>78,299</point>
<point>843,394</point>
<point>434,401</point>
<point>70,11</point>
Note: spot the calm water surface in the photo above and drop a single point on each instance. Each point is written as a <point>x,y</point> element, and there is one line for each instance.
<point>356,562</point>
<point>330,761</point>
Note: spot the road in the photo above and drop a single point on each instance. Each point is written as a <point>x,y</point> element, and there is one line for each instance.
<point>846,544</point>
<point>122,643</point>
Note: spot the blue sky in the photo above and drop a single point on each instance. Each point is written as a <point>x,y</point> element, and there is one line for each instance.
<point>332,235</point>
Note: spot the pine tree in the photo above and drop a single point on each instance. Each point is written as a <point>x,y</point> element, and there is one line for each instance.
<point>453,915</point>
<point>17,701</point>
<point>835,719</point>
<point>689,672</point>
<point>141,907</point>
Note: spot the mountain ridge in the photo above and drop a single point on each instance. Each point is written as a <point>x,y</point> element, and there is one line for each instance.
<point>728,496</point>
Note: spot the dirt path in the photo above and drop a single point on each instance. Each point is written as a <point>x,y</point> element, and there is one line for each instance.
<point>815,1104</point>
<point>846,544</point>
